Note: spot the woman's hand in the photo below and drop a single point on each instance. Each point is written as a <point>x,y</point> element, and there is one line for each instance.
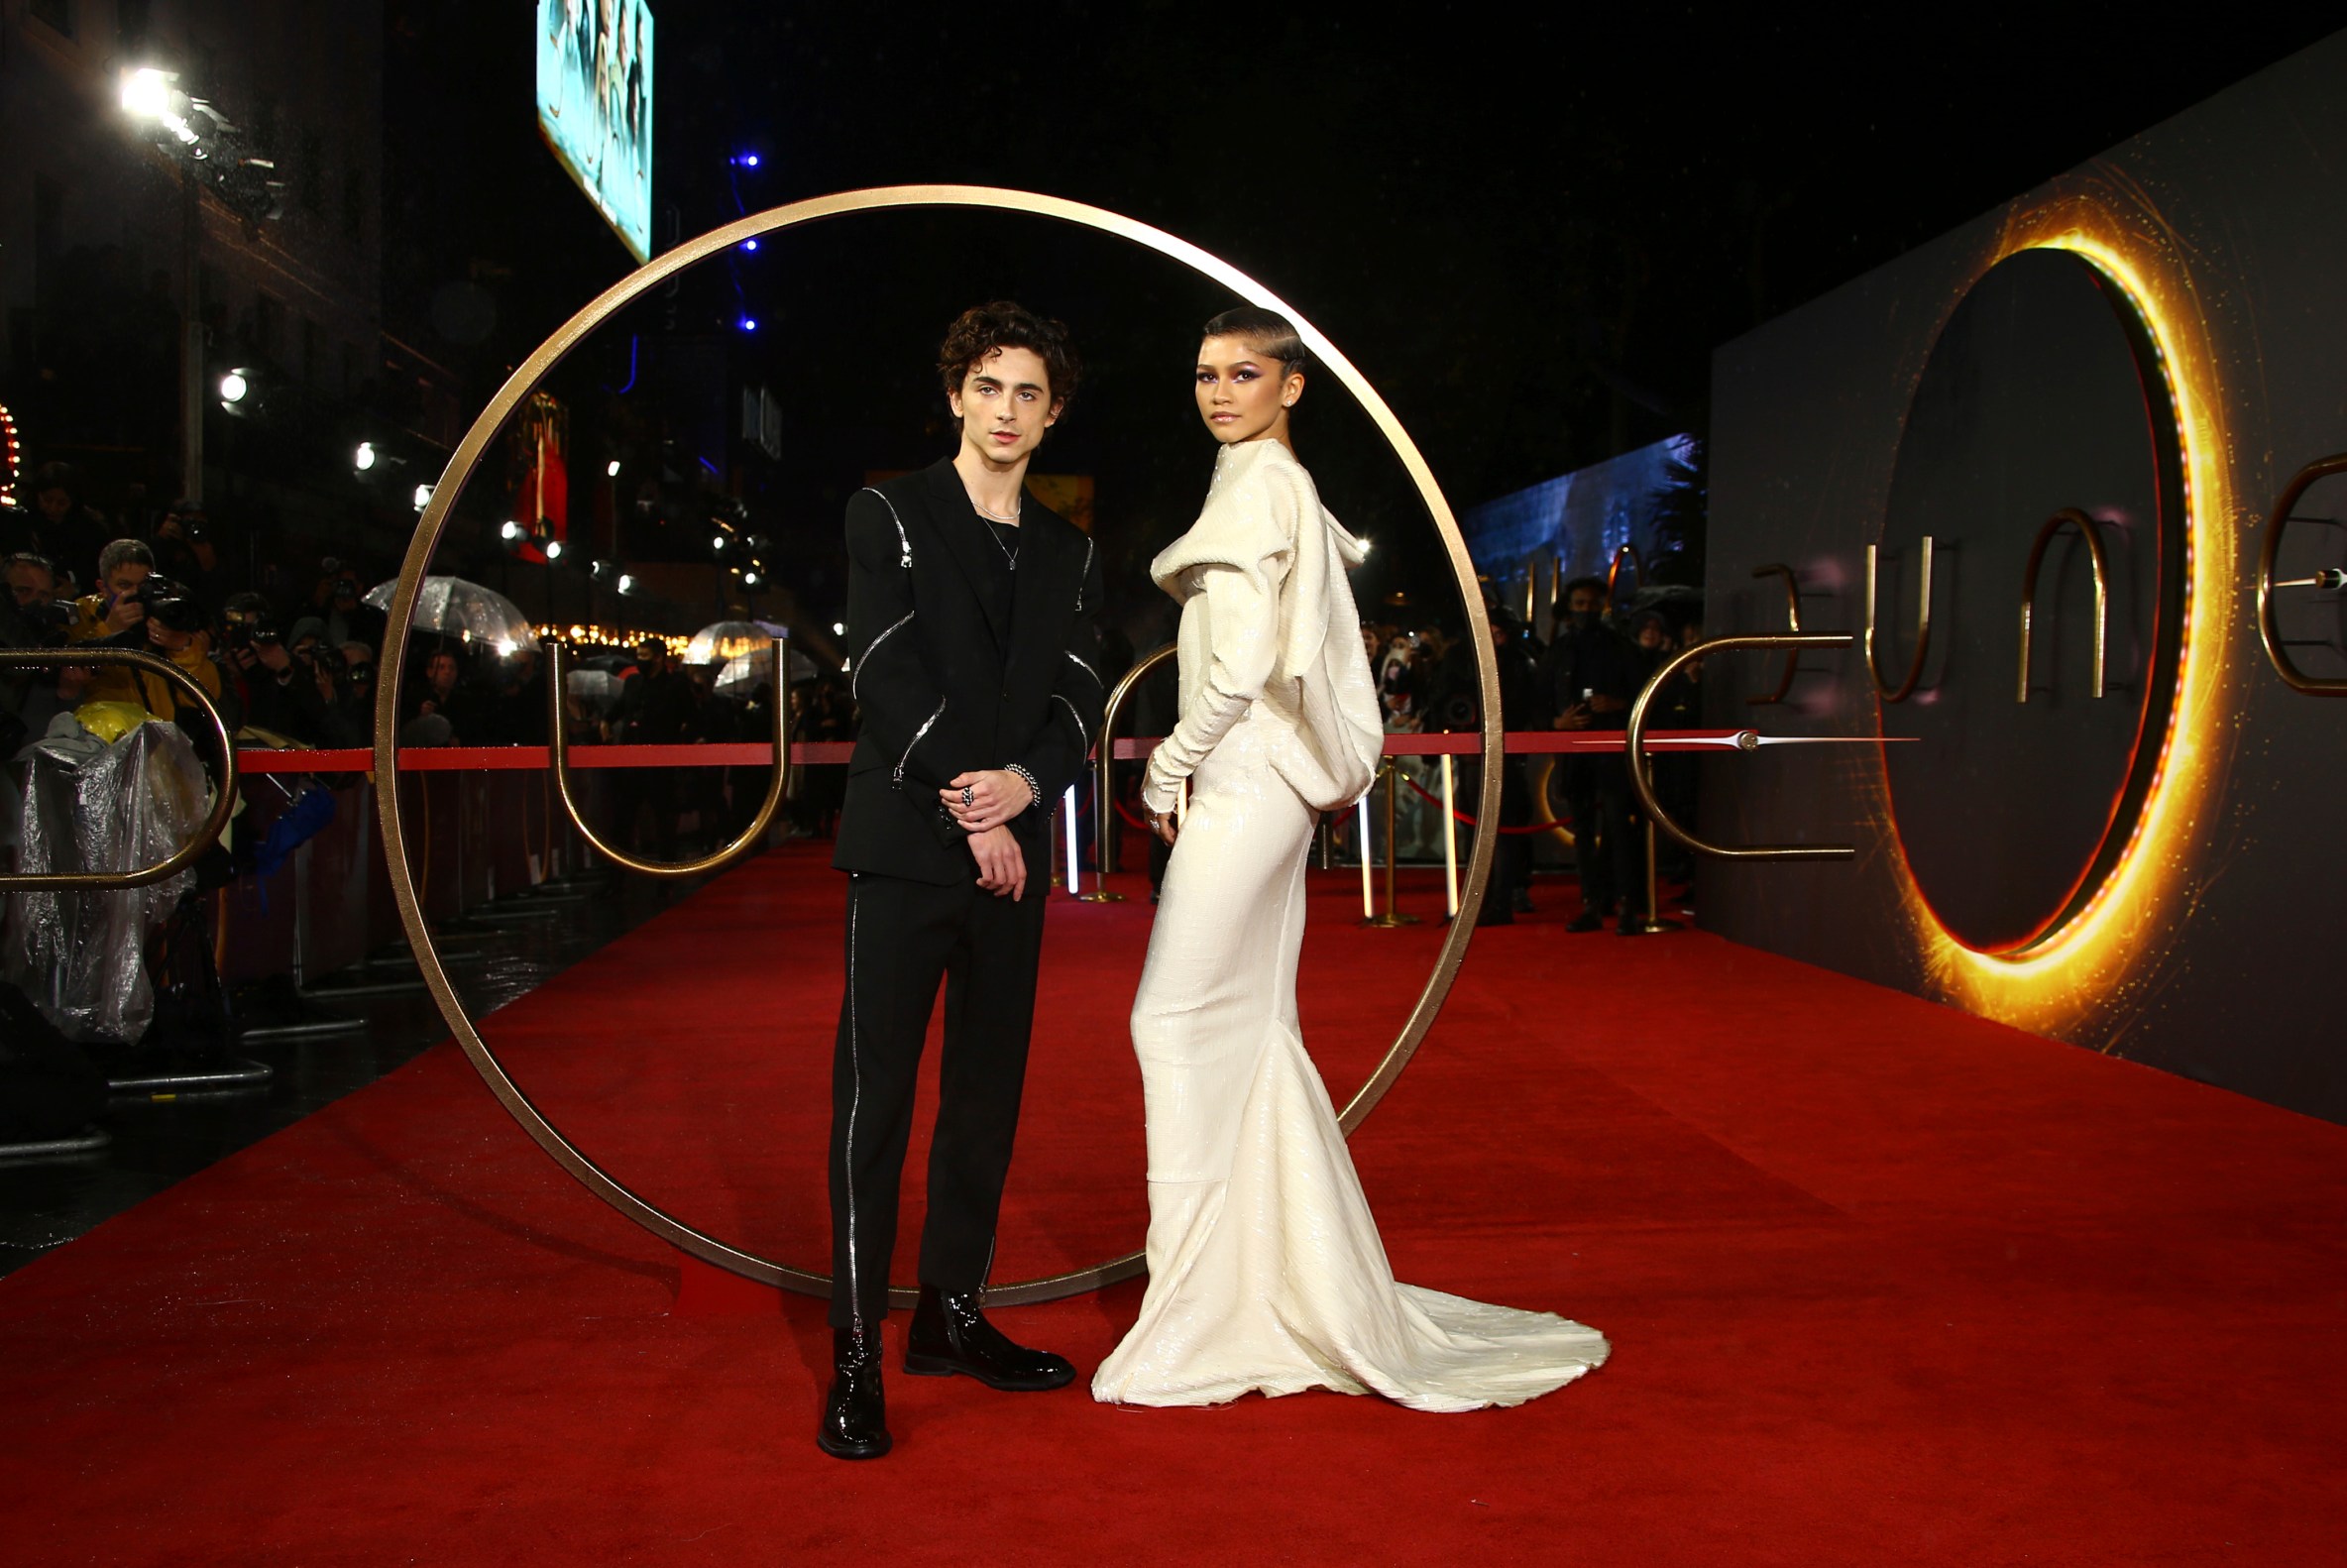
<point>1002,868</point>
<point>1166,826</point>
<point>985,800</point>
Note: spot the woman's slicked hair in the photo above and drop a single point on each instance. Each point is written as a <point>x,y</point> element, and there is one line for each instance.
<point>1268,332</point>
<point>979,331</point>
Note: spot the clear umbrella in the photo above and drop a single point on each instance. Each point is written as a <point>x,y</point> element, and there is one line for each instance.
<point>744,672</point>
<point>466,612</point>
<point>726,640</point>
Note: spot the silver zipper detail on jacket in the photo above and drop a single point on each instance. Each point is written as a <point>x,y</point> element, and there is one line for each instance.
<point>1080,664</point>
<point>856,680</point>
<point>905,544</point>
<point>923,729</point>
<point>1089,545</point>
<point>1082,732</point>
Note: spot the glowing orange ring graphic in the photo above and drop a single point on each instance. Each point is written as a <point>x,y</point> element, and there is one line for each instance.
<point>2073,970</point>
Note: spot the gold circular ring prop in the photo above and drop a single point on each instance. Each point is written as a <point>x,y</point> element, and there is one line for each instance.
<point>608,303</point>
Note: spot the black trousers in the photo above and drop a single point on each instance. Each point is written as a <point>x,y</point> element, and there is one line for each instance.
<point>903,938</point>
<point>1606,853</point>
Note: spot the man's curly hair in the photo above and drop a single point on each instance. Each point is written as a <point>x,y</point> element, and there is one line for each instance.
<point>979,331</point>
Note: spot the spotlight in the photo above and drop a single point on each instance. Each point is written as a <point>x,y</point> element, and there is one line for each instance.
<point>146,93</point>
<point>749,579</point>
<point>553,549</point>
<point>1365,544</point>
<point>365,458</point>
<point>749,244</point>
<point>749,323</point>
<point>839,629</point>
<point>627,583</point>
<point>235,386</point>
<point>511,531</point>
<point>718,544</point>
<point>423,497</point>
<point>610,470</point>
<point>746,160</point>
<point>600,570</point>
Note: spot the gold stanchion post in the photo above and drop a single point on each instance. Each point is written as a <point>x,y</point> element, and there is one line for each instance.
<point>1652,924</point>
<point>1392,917</point>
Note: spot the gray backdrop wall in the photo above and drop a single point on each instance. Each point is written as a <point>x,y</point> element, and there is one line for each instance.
<point>2209,937</point>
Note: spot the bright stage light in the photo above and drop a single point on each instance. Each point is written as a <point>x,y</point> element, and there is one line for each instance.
<point>553,549</point>
<point>746,160</point>
<point>749,323</point>
<point>718,544</point>
<point>234,387</point>
<point>839,629</point>
<point>612,469</point>
<point>365,458</point>
<point>512,530</point>
<point>749,244</point>
<point>423,497</point>
<point>147,93</point>
<point>627,583</point>
<point>749,579</point>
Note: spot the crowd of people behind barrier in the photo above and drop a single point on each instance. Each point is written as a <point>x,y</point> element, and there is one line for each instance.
<point>1584,677</point>
<point>300,668</point>
<point>286,667</point>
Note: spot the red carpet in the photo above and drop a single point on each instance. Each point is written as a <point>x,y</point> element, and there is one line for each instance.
<point>1887,1285</point>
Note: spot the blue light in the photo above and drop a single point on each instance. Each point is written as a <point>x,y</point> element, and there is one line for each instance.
<point>749,323</point>
<point>747,159</point>
<point>749,244</point>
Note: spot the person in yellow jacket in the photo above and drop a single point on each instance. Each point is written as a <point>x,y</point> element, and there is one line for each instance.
<point>115,614</point>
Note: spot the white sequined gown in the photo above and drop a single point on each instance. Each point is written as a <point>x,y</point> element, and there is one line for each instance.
<point>1266,1272</point>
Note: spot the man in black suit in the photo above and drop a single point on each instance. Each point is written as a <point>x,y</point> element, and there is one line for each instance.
<point>976,673</point>
<point>1593,675</point>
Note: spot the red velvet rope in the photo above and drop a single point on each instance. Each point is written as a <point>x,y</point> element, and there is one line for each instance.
<point>1537,826</point>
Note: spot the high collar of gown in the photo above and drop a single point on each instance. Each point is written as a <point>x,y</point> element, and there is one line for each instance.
<point>1238,502</point>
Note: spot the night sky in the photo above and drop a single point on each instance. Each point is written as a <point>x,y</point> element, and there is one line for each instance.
<point>1530,234</point>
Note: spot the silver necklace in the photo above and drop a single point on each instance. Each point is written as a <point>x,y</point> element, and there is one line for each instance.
<point>1012,522</point>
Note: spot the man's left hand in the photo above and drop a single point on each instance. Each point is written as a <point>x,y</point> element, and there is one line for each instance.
<point>986,799</point>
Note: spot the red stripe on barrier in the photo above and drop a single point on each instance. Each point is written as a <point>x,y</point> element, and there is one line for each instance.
<point>1518,743</point>
<point>821,754</point>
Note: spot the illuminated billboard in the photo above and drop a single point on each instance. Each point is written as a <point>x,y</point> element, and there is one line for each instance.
<point>594,106</point>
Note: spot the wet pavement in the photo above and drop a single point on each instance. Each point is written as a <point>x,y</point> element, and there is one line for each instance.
<point>498,952</point>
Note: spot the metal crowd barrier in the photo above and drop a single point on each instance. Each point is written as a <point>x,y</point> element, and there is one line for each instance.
<point>156,1082</point>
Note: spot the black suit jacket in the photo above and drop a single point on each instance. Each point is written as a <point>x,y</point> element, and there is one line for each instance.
<point>945,688</point>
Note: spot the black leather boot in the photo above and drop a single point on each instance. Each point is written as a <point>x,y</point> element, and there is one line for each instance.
<point>950,1335</point>
<point>855,1416</point>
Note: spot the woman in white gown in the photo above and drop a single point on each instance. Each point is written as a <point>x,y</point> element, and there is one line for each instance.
<point>1266,1272</point>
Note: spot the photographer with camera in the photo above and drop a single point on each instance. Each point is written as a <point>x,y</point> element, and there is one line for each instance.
<point>183,547</point>
<point>34,617</point>
<point>277,692</point>
<point>139,610</point>
<point>343,616</point>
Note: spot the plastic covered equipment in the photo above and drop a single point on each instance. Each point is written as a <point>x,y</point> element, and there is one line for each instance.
<point>91,805</point>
